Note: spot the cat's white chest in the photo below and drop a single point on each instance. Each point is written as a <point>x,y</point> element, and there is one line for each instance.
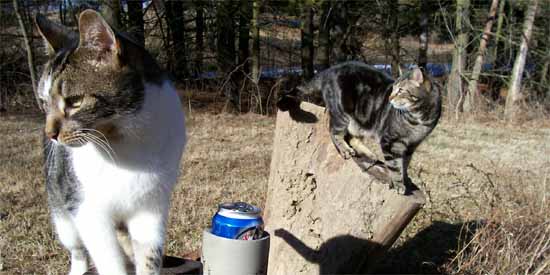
<point>104,183</point>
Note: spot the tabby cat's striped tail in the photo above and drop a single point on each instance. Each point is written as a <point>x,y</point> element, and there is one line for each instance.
<point>290,96</point>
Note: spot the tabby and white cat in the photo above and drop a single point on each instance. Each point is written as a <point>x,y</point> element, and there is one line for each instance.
<point>115,134</point>
<point>364,102</point>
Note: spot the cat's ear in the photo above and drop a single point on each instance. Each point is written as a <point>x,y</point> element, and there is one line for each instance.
<point>97,35</point>
<point>56,36</point>
<point>417,76</point>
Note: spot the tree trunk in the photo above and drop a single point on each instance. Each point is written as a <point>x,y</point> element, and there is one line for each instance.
<point>29,49</point>
<point>111,11</point>
<point>176,26</point>
<point>473,97</point>
<point>307,30</point>
<point>245,17</point>
<point>225,48</point>
<point>395,47</point>
<point>423,39</point>
<point>61,12</point>
<point>199,37</point>
<point>324,34</point>
<point>135,21</point>
<point>325,214</point>
<point>255,40</point>
<point>514,91</point>
<point>498,33</point>
<point>455,89</point>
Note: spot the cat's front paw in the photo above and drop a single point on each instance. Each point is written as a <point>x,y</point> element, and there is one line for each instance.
<point>399,186</point>
<point>348,153</point>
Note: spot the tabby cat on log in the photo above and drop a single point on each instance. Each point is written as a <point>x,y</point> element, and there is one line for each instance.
<point>365,103</point>
<point>114,137</point>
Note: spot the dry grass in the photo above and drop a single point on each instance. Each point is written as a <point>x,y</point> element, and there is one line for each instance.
<point>486,177</point>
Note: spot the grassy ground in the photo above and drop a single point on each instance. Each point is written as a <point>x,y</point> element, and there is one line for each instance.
<point>475,174</point>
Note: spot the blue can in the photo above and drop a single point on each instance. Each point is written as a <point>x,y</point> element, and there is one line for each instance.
<point>238,220</point>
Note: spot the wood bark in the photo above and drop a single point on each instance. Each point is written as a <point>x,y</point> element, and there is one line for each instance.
<point>325,214</point>
<point>423,38</point>
<point>514,91</point>
<point>30,52</point>
<point>472,100</point>
<point>135,21</point>
<point>455,85</point>
<point>255,28</point>
<point>111,12</point>
<point>176,27</point>
<point>225,48</point>
<point>395,46</point>
<point>245,16</point>
<point>324,34</point>
<point>199,36</point>
<point>498,32</point>
<point>307,48</point>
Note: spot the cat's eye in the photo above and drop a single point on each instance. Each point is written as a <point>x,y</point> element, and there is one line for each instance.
<point>74,102</point>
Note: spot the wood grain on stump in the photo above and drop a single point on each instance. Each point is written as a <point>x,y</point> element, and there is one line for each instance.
<point>324,213</point>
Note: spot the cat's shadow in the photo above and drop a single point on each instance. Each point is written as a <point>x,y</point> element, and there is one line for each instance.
<point>425,253</point>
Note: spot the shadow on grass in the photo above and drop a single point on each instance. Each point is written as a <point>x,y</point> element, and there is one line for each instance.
<point>428,250</point>
<point>425,253</point>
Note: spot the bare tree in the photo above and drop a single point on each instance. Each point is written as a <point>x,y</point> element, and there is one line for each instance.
<point>28,46</point>
<point>199,35</point>
<point>255,40</point>
<point>176,28</point>
<point>394,45</point>
<point>500,23</point>
<point>472,96</point>
<point>245,17</point>
<point>514,92</point>
<point>225,47</point>
<point>307,48</point>
<point>111,11</point>
<point>424,34</point>
<point>455,82</point>
<point>324,34</point>
<point>135,20</point>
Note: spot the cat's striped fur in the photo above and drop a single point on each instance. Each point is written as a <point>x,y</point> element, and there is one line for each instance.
<point>364,102</point>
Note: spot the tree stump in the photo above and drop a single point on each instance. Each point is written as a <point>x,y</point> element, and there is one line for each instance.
<point>325,214</point>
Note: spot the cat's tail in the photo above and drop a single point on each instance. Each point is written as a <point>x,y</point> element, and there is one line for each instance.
<point>291,95</point>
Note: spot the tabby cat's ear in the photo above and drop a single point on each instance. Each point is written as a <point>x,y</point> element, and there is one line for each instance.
<point>56,36</point>
<point>417,76</point>
<point>97,35</point>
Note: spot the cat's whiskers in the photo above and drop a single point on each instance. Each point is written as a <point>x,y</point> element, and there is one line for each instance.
<point>101,144</point>
<point>87,135</point>
<point>50,156</point>
<point>102,138</point>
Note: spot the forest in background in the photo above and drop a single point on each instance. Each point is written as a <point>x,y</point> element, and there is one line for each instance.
<point>487,54</point>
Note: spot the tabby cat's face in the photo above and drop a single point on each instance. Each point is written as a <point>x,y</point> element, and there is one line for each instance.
<point>83,88</point>
<point>411,91</point>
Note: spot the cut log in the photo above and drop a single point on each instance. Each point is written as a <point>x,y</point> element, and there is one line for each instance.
<point>326,214</point>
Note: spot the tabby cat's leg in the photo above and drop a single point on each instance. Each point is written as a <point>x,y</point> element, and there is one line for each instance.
<point>68,235</point>
<point>338,132</point>
<point>362,150</point>
<point>125,243</point>
<point>147,233</point>
<point>394,153</point>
